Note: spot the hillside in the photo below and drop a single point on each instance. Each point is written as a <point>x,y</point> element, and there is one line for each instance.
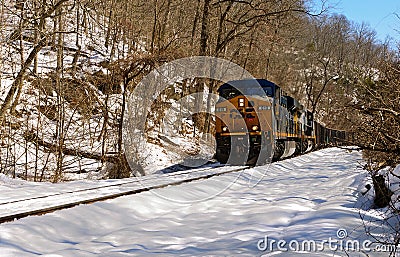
<point>69,67</point>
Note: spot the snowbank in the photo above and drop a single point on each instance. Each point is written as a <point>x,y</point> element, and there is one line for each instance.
<point>311,197</point>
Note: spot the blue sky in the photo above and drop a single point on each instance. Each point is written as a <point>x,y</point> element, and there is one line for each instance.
<point>379,14</point>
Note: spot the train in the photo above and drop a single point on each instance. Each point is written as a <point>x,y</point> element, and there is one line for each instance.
<point>258,122</point>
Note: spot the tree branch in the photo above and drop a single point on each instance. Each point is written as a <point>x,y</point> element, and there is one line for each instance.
<point>32,137</point>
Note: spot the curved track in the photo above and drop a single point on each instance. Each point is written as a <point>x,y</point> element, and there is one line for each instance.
<point>38,205</point>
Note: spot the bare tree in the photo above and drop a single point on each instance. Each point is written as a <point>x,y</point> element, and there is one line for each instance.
<point>18,82</point>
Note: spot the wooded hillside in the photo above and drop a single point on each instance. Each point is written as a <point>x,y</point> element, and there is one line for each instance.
<point>68,65</point>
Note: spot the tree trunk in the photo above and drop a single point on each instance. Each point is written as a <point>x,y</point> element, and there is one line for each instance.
<point>32,137</point>
<point>382,193</point>
<point>17,83</point>
<point>204,28</point>
<point>60,98</point>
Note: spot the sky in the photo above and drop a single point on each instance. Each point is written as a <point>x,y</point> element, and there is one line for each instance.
<point>378,14</point>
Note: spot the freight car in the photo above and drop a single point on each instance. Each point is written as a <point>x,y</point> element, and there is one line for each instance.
<point>257,122</point>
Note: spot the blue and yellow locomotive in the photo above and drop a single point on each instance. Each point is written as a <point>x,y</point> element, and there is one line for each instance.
<point>257,122</point>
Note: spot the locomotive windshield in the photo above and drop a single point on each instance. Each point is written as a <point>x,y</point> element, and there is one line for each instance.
<point>232,92</point>
<point>246,87</point>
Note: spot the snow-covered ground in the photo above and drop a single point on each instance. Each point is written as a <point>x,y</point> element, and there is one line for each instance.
<point>301,201</point>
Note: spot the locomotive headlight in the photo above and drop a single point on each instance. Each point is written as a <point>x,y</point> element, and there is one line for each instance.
<point>225,129</point>
<point>254,128</point>
<point>241,102</point>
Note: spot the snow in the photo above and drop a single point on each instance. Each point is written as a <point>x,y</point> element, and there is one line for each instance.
<point>309,197</point>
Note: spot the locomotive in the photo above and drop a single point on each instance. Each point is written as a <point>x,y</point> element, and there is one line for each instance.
<point>257,122</point>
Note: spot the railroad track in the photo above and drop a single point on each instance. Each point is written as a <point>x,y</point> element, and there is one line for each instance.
<point>39,205</point>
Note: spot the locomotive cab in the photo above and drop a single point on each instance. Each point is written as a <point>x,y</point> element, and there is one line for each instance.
<point>245,121</point>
